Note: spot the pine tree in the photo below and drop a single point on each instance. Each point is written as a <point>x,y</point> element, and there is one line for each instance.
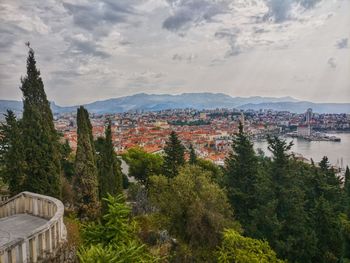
<point>241,176</point>
<point>346,232</point>
<point>193,156</point>
<point>174,156</point>
<point>110,175</point>
<point>331,185</point>
<point>40,139</point>
<point>324,164</point>
<point>86,174</point>
<point>293,239</point>
<point>11,152</point>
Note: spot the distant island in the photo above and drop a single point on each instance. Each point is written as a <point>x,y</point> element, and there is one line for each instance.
<point>198,101</point>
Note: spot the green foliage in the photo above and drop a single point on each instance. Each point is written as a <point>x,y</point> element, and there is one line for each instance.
<point>293,232</point>
<point>40,139</point>
<point>110,174</point>
<point>142,165</point>
<point>174,156</point>
<point>241,177</point>
<point>195,209</point>
<point>298,207</point>
<point>67,161</point>
<point>216,171</point>
<point>328,230</point>
<point>239,249</point>
<point>345,223</point>
<point>114,239</point>
<point>193,156</point>
<point>11,154</point>
<point>85,183</point>
<point>347,190</point>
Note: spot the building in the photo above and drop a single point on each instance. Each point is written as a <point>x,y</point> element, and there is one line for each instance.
<point>308,116</point>
<point>304,130</point>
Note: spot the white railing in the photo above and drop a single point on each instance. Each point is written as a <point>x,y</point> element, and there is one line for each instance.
<point>42,241</point>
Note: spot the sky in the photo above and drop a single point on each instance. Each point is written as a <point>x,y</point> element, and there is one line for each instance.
<point>93,50</point>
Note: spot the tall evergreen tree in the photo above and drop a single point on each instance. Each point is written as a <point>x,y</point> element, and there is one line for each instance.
<point>347,188</point>
<point>174,155</point>
<point>110,174</point>
<point>331,185</point>
<point>292,239</point>
<point>11,153</point>
<point>241,176</point>
<point>346,230</point>
<point>324,164</point>
<point>40,139</point>
<point>193,155</point>
<point>86,173</point>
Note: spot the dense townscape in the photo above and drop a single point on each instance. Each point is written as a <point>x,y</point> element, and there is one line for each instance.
<point>210,131</point>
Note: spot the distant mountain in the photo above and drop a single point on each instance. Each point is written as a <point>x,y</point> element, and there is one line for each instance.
<point>15,106</point>
<point>155,102</point>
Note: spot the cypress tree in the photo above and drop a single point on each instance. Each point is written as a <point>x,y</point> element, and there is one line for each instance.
<point>193,156</point>
<point>110,175</point>
<point>347,188</point>
<point>174,156</point>
<point>40,139</point>
<point>11,152</point>
<point>85,183</point>
<point>241,176</point>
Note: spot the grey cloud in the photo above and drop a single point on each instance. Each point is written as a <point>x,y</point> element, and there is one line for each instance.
<point>189,12</point>
<point>65,73</point>
<point>9,34</point>
<point>343,43</point>
<point>308,3</point>
<point>231,37</point>
<point>280,10</point>
<point>332,63</point>
<point>147,76</point>
<point>187,58</point>
<point>85,48</point>
<point>125,42</point>
<point>259,30</point>
<point>96,19</point>
<point>98,14</point>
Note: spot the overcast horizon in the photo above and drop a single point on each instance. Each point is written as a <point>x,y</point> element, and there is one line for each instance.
<point>174,94</point>
<point>96,50</point>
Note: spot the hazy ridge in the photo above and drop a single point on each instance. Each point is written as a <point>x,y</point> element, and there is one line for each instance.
<point>156,102</point>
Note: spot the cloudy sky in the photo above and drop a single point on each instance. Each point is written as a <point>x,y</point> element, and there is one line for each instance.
<point>91,50</point>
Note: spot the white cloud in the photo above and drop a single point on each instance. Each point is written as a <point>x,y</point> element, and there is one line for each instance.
<point>90,50</point>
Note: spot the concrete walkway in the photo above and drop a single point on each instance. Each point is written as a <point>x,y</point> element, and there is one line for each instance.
<point>125,170</point>
<point>18,226</point>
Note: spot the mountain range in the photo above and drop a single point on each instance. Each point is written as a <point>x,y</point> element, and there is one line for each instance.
<point>156,102</point>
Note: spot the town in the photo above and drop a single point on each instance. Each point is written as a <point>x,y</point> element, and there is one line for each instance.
<point>209,131</point>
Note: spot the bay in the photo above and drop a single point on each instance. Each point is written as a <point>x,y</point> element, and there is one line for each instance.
<point>335,151</point>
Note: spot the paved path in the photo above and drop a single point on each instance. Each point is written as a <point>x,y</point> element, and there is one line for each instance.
<point>18,226</point>
<point>125,170</point>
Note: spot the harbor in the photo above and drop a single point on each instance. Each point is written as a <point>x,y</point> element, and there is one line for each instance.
<point>317,136</point>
